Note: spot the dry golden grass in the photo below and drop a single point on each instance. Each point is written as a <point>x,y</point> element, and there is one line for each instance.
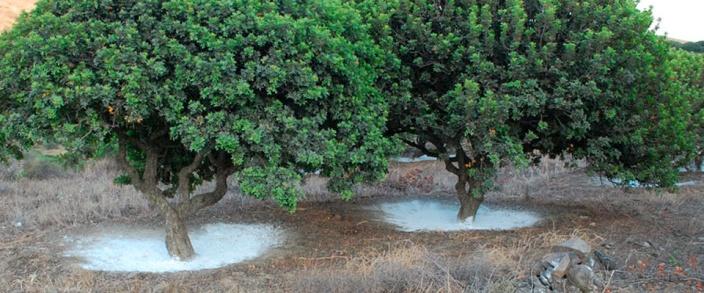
<point>409,268</point>
<point>87,196</point>
<point>495,266</point>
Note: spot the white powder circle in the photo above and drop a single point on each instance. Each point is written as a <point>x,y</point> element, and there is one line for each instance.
<point>440,215</point>
<point>216,245</point>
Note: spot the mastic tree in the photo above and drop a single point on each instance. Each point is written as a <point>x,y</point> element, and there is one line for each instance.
<point>195,91</point>
<point>687,82</point>
<point>480,84</point>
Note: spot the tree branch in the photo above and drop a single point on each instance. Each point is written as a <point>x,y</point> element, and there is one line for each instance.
<point>224,169</point>
<point>147,183</point>
<point>420,146</point>
<point>184,180</point>
<point>125,165</point>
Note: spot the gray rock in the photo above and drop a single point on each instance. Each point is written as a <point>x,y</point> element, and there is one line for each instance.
<point>577,244</point>
<point>561,269</point>
<point>606,261</point>
<point>538,285</point>
<point>545,278</point>
<point>584,278</point>
<point>553,258</point>
<point>552,268</point>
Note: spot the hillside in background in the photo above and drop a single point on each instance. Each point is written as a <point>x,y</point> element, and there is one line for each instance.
<point>10,9</point>
<point>697,47</point>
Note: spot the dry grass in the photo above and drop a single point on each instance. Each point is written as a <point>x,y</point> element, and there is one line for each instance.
<point>520,182</point>
<point>38,192</point>
<point>492,266</point>
<point>431,177</point>
<point>86,196</point>
<point>410,268</point>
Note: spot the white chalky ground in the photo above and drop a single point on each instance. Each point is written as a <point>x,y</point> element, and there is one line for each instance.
<point>216,245</point>
<point>441,215</point>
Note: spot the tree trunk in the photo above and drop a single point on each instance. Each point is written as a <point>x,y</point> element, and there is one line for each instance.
<point>178,243</point>
<point>469,205</point>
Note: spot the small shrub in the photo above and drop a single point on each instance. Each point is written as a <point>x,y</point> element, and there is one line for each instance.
<point>39,167</point>
<point>415,179</point>
<point>10,171</point>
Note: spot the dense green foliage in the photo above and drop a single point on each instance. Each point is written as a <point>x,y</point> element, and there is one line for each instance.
<point>264,90</point>
<point>482,83</point>
<point>197,90</point>
<point>687,82</point>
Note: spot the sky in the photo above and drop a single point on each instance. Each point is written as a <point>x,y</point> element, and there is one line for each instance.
<point>680,19</point>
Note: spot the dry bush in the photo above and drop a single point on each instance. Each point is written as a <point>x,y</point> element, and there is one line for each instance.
<point>76,197</point>
<point>407,269</point>
<point>38,167</point>
<point>315,189</point>
<point>38,164</point>
<point>417,178</point>
<point>512,181</point>
<point>10,171</point>
<point>420,177</point>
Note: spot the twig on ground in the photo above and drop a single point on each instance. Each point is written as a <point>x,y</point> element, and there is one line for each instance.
<point>332,257</point>
<point>608,283</point>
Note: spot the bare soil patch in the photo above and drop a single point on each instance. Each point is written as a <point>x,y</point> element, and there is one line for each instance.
<point>11,9</point>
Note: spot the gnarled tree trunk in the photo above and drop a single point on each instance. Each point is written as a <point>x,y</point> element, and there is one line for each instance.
<point>460,166</point>
<point>178,244</point>
<point>469,204</point>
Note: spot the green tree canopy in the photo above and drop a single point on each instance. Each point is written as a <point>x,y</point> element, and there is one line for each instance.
<point>198,90</point>
<point>482,83</point>
<point>687,82</point>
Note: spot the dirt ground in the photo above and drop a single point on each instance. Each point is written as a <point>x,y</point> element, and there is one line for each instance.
<point>657,238</point>
<point>10,9</point>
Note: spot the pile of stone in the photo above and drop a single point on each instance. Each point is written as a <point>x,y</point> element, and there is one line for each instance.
<point>571,264</point>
